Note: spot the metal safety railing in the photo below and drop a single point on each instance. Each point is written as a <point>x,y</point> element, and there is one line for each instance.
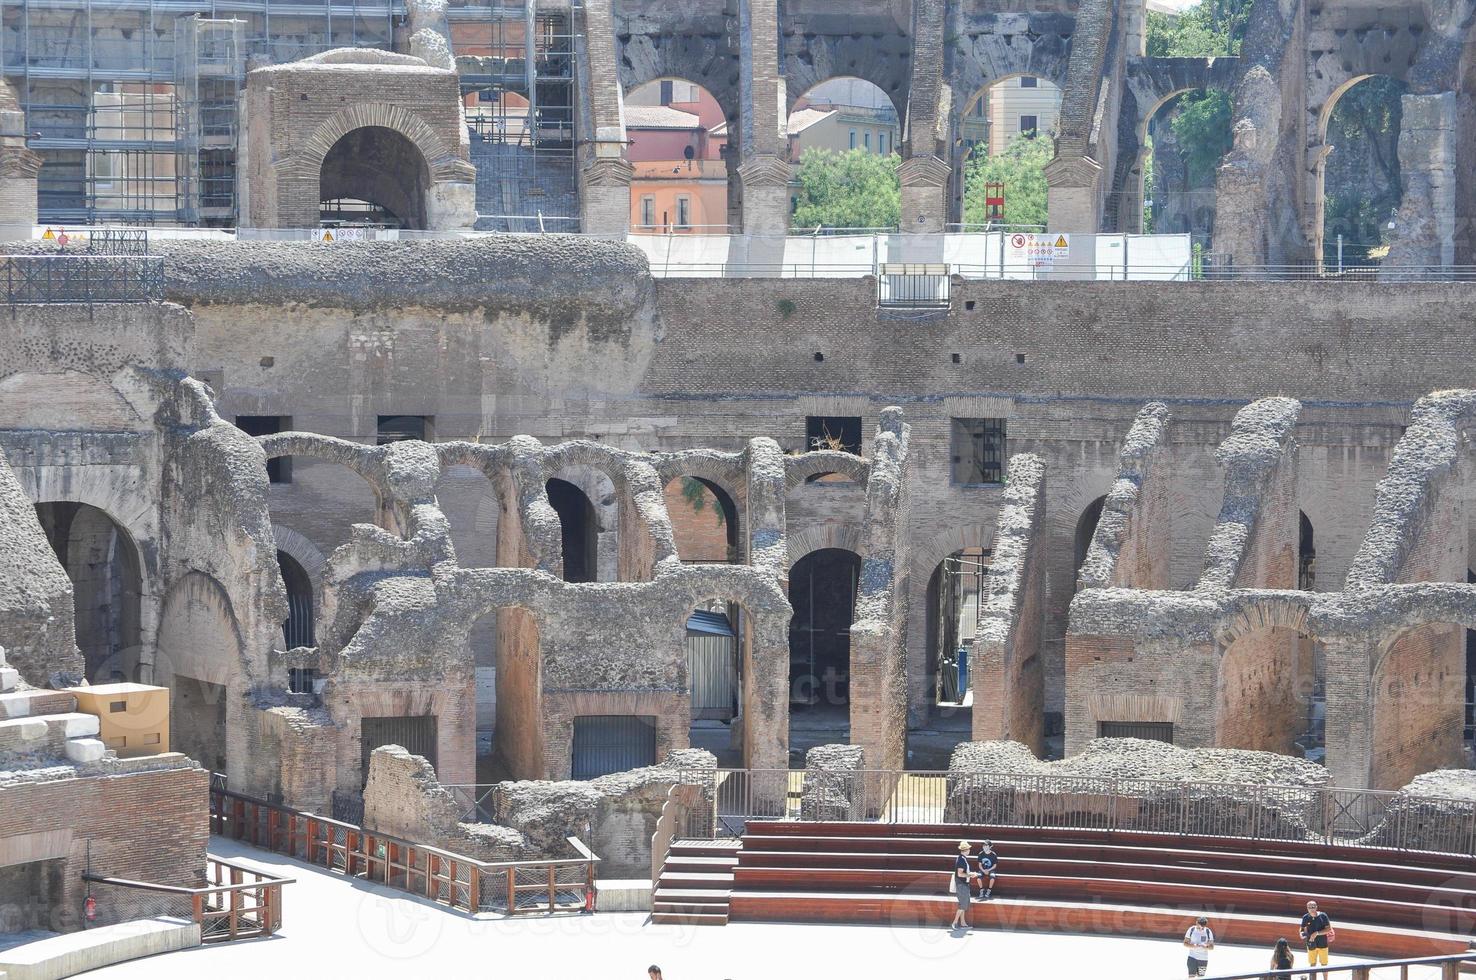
<point>237,903</point>
<point>456,880</point>
<point>1306,814</point>
<point>37,279</point>
<point>1450,967</point>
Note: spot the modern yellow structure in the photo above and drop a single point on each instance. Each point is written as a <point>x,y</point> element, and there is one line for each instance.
<point>134,717</point>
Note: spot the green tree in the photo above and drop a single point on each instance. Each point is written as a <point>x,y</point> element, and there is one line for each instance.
<point>1202,126</point>
<point>1209,29</point>
<point>1021,168</point>
<point>1361,184</point>
<point>854,189</point>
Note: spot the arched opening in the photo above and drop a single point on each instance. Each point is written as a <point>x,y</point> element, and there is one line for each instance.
<point>1259,701</point>
<point>374,176</point>
<point>1182,143</point>
<point>580,530</point>
<point>953,595</point>
<point>677,142</point>
<point>704,521</point>
<point>843,141</point>
<point>1086,529</point>
<point>1418,697</point>
<point>822,592</point>
<point>716,644</point>
<point>1360,181</point>
<point>1006,133</point>
<point>297,628</point>
<point>107,581</point>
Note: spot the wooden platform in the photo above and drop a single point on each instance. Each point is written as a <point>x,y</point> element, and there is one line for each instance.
<point>1384,903</point>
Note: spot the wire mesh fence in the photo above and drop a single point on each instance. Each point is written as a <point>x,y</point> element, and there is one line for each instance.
<point>1312,814</point>
<point>37,279</point>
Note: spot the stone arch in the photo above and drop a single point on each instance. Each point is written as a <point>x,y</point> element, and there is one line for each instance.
<point>681,498</point>
<point>829,535</point>
<point>302,549</point>
<point>443,162</point>
<point>382,168</point>
<point>199,660</point>
<point>685,179</point>
<point>1085,530</point>
<point>1417,703</point>
<point>1261,701</point>
<point>823,591</point>
<point>600,490</point>
<point>1323,150</point>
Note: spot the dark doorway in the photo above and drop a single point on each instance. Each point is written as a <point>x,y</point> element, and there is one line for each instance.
<point>580,530</point>
<point>374,176</point>
<point>822,590</point>
<point>297,628</point>
<point>197,721</point>
<point>1086,529</point>
<point>103,565</point>
<point>414,733</point>
<point>1153,731</point>
<point>612,743</point>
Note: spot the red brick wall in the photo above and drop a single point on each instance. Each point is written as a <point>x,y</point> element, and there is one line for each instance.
<point>699,534</point>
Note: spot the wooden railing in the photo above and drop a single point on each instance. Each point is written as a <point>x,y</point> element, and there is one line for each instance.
<point>239,902</point>
<point>1451,967</point>
<point>454,880</point>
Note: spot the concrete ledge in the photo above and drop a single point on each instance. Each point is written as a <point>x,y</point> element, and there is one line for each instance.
<point>623,895</point>
<point>93,949</point>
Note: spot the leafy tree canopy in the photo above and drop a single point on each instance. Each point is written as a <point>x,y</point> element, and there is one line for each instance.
<point>1021,168</point>
<point>1209,29</point>
<point>854,189</point>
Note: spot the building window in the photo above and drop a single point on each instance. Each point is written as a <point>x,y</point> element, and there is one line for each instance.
<point>1029,125</point>
<point>684,211</point>
<point>666,92</point>
<point>978,451</point>
<point>866,138</point>
<point>300,679</point>
<point>882,143</point>
<point>648,211</point>
<point>1029,81</point>
<point>399,428</point>
<point>1153,731</point>
<point>853,139</point>
<point>279,470</point>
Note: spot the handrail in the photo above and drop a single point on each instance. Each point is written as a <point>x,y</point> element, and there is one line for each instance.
<point>458,880</point>
<point>1359,971</point>
<point>225,912</point>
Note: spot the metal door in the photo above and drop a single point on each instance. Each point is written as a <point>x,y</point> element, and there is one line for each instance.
<point>613,743</point>
<point>416,733</point>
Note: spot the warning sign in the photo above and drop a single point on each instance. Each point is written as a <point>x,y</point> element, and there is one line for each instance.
<point>342,235</point>
<point>1039,251</point>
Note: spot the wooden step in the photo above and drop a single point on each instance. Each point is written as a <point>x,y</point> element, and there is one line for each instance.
<point>689,919</point>
<point>715,865</point>
<point>926,911</point>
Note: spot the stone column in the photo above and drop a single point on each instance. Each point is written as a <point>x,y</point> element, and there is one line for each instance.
<point>604,178</point>
<point>1349,712</point>
<point>1424,234</point>
<point>764,172</point>
<point>19,166</point>
<point>925,172</point>
<point>1074,194</point>
<point>924,194</point>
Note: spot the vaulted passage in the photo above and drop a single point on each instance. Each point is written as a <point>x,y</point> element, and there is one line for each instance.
<point>102,562</point>
<point>822,590</point>
<point>374,176</point>
<point>581,528</point>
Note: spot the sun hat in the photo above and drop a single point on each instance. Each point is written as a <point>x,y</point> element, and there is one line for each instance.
<point>964,845</point>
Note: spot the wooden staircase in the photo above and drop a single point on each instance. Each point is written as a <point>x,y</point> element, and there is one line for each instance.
<point>1385,903</point>
<point>696,883</point>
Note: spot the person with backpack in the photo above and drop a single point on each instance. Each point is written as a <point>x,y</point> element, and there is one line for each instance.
<point>1199,939</point>
<point>1318,934</point>
<point>988,863</point>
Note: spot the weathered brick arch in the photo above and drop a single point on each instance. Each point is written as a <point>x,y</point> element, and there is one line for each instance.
<point>1290,611</point>
<point>847,537</point>
<point>443,162</point>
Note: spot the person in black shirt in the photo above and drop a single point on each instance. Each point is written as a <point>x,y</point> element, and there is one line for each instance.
<point>988,861</point>
<point>1316,927</point>
<point>962,875</point>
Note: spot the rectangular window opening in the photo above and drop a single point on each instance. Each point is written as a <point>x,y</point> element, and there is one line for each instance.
<point>1029,125</point>
<point>1153,731</point>
<point>978,451</point>
<point>841,433</point>
<point>279,470</point>
<point>399,428</point>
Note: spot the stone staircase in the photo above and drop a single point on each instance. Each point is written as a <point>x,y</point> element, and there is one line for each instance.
<point>696,883</point>
<point>40,724</point>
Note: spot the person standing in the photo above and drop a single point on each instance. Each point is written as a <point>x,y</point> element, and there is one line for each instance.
<point>1317,932</point>
<point>654,972</point>
<point>962,875</point>
<point>988,862</point>
<point>1199,939</point>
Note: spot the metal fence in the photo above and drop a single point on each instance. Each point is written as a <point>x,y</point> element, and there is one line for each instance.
<point>1254,812</point>
<point>34,279</point>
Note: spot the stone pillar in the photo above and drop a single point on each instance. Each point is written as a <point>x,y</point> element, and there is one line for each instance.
<point>1425,232</point>
<point>1074,194</point>
<point>924,194</point>
<point>1349,712</point>
<point>19,166</point>
<point>604,179</point>
<point>763,145</point>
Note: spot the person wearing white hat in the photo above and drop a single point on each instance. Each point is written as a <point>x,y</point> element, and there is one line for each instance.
<point>962,875</point>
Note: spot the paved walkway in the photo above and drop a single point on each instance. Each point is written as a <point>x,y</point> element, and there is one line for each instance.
<point>336,928</point>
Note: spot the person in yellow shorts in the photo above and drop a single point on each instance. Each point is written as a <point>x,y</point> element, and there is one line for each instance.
<point>1316,933</point>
